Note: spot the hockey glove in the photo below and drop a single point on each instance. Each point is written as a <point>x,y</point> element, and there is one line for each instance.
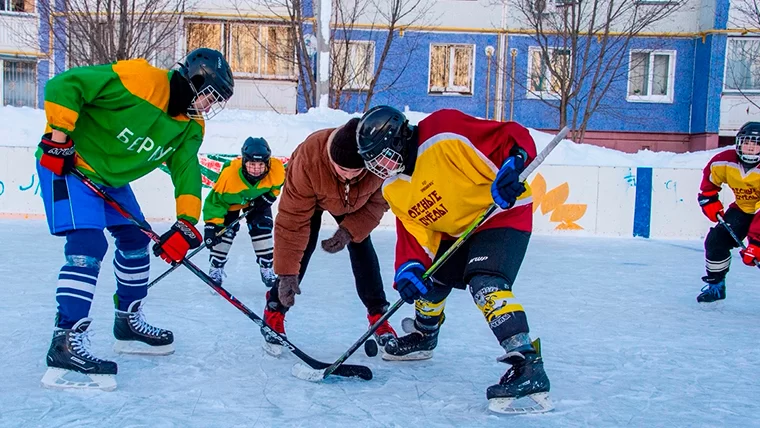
<point>57,157</point>
<point>262,202</point>
<point>711,205</point>
<point>337,242</point>
<point>751,256</point>
<point>507,185</point>
<point>174,244</point>
<point>211,234</point>
<point>409,283</point>
<point>287,289</point>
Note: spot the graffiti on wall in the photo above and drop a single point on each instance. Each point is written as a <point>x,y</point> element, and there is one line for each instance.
<point>553,201</point>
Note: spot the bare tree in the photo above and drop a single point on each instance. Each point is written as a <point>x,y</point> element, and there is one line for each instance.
<point>354,69</point>
<point>103,31</point>
<point>743,55</point>
<point>583,48</point>
<point>297,51</point>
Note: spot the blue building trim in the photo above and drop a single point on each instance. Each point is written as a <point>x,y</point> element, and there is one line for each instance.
<point>642,215</point>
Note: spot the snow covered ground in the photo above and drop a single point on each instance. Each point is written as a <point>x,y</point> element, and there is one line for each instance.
<point>226,132</point>
<point>624,344</point>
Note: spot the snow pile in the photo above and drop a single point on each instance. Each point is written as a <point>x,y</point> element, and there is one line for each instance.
<point>226,132</point>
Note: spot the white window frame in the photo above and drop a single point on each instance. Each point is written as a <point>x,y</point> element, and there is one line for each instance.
<point>650,98</point>
<point>725,69</point>
<point>450,89</point>
<point>543,95</point>
<point>356,84</point>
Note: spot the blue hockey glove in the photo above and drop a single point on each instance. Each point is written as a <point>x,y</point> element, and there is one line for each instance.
<point>409,283</point>
<point>507,185</point>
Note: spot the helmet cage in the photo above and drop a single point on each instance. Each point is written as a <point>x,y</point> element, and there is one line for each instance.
<point>386,164</point>
<point>751,152</point>
<point>213,100</point>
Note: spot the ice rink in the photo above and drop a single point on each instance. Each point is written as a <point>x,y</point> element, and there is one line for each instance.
<point>625,344</point>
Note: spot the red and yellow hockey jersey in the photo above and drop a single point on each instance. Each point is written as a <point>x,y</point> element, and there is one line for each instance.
<point>457,160</point>
<point>725,168</point>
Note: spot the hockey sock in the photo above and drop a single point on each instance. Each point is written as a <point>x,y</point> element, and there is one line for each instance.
<point>131,269</point>
<point>84,251</point>
<point>429,315</point>
<point>219,252</point>
<point>505,316</point>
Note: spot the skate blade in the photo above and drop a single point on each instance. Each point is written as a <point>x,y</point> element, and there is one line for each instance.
<point>716,306</point>
<point>136,347</point>
<point>272,349</point>
<point>56,378</point>
<point>412,356</point>
<point>533,403</point>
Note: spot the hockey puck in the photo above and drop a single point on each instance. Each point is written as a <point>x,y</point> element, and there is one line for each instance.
<point>370,348</point>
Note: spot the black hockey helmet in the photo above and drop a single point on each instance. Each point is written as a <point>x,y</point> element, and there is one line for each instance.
<point>748,143</point>
<point>255,150</point>
<point>382,138</point>
<point>210,78</point>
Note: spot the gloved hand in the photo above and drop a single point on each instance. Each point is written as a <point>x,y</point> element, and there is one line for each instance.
<point>507,185</point>
<point>711,205</point>
<point>210,232</point>
<point>751,255</point>
<point>337,242</point>
<point>287,289</point>
<point>409,283</point>
<point>57,157</point>
<point>262,201</point>
<point>174,244</point>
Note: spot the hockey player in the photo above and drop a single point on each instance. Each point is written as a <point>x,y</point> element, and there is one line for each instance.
<point>439,176</point>
<point>253,180</point>
<point>738,168</point>
<point>326,173</point>
<point>116,123</point>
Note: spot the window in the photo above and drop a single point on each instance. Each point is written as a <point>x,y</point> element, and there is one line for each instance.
<point>19,83</point>
<point>451,69</point>
<point>650,76</point>
<point>742,65</point>
<point>353,64</point>
<point>253,50</point>
<point>201,35</point>
<point>25,6</point>
<point>547,69</point>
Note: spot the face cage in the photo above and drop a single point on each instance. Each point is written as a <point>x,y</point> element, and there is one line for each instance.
<point>250,169</point>
<point>216,104</point>
<point>746,157</point>
<point>387,164</point>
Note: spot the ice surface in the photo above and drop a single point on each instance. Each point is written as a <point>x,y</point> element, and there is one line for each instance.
<point>625,344</point>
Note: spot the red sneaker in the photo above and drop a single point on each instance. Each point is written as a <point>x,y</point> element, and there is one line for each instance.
<point>384,332</point>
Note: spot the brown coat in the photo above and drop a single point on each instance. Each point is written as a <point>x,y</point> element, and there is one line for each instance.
<point>311,183</point>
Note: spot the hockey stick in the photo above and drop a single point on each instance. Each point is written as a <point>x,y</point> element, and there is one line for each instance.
<point>539,159</point>
<point>362,372</point>
<point>203,245</point>
<point>733,235</point>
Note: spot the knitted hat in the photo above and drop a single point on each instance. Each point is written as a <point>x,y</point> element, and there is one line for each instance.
<point>344,150</point>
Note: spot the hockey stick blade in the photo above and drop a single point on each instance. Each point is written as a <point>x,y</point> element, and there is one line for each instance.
<point>362,372</point>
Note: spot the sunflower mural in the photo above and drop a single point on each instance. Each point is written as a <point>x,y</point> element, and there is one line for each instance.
<point>553,202</point>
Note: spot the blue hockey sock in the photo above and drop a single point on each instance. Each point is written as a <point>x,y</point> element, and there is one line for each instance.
<point>76,288</point>
<point>131,269</point>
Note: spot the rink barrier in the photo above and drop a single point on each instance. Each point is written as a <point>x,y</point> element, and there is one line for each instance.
<point>569,200</point>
